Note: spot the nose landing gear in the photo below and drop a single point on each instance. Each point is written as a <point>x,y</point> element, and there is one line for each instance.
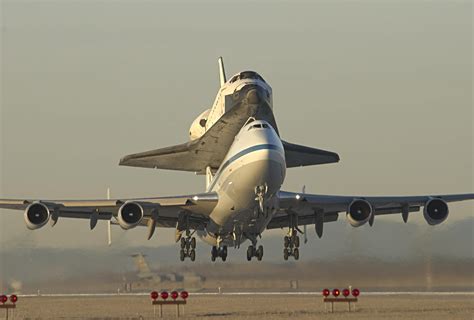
<point>291,246</point>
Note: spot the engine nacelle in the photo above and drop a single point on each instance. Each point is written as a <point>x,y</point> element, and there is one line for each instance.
<point>198,127</point>
<point>130,215</point>
<point>359,212</point>
<point>36,215</point>
<point>435,211</point>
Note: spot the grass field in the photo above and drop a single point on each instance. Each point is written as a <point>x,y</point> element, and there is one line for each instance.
<point>249,307</point>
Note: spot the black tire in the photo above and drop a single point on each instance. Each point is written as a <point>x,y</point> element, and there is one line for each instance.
<point>286,241</point>
<point>183,243</point>
<point>297,241</point>
<point>260,253</point>
<point>213,253</point>
<point>181,255</point>
<point>224,257</point>
<point>224,251</point>
<point>285,254</point>
<point>193,242</point>
<point>192,255</point>
<point>296,253</point>
<point>249,253</point>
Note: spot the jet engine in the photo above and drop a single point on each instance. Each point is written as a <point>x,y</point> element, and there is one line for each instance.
<point>36,215</point>
<point>435,211</point>
<point>130,215</point>
<point>198,127</point>
<point>359,212</point>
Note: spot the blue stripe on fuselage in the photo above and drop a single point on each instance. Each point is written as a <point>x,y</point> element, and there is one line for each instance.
<point>240,155</point>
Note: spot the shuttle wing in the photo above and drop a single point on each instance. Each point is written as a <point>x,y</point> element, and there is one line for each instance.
<point>196,155</point>
<point>297,155</point>
<point>307,209</point>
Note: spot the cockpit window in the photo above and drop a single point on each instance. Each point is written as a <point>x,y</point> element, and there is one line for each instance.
<point>259,126</point>
<point>246,75</point>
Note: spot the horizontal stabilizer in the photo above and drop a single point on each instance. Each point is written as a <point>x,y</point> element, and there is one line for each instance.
<point>298,156</point>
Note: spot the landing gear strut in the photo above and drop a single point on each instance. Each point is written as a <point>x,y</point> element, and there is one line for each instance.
<point>291,244</point>
<point>188,246</point>
<point>219,252</point>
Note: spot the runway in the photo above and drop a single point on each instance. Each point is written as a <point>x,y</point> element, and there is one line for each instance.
<point>288,293</point>
<point>250,305</point>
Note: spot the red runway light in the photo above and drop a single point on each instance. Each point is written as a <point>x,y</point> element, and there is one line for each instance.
<point>154,295</point>
<point>346,292</point>
<point>355,292</point>
<point>174,295</point>
<point>164,295</point>
<point>336,292</point>
<point>184,295</point>
<point>13,298</point>
<point>326,292</point>
<point>3,298</point>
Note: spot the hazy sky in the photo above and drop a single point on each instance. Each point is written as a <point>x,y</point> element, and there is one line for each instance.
<point>386,85</point>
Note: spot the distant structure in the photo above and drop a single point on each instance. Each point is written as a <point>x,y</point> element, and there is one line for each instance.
<point>148,279</point>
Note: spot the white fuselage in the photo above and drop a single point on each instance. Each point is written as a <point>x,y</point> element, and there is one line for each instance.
<point>246,182</point>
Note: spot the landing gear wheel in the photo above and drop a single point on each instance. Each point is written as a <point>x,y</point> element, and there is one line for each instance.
<point>224,258</point>
<point>213,253</point>
<point>183,243</point>
<point>296,253</point>
<point>285,254</point>
<point>181,255</point>
<point>297,241</point>
<point>249,253</point>
<point>192,255</point>
<point>286,241</point>
<point>259,253</point>
<point>193,243</point>
<point>224,251</point>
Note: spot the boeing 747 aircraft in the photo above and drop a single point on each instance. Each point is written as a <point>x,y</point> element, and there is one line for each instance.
<point>237,146</point>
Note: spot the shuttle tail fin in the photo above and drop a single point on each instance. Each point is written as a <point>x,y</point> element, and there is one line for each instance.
<point>222,76</point>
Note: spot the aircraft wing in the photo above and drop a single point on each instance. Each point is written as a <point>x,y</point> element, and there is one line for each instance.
<point>318,209</point>
<point>157,211</point>
<point>297,155</point>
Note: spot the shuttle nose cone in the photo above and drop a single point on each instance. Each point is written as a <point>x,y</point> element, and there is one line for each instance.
<point>253,96</point>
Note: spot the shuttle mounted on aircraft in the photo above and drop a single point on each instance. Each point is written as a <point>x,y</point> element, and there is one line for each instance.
<point>236,144</point>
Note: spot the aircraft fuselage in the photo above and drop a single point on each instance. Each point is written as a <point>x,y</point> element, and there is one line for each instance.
<point>247,182</point>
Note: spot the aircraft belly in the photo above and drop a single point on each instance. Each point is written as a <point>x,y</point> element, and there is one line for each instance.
<point>237,199</point>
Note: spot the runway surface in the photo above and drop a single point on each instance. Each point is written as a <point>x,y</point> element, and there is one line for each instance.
<point>289,293</point>
<point>249,305</point>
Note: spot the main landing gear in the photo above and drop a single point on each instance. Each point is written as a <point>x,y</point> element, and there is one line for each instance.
<point>252,251</point>
<point>219,252</point>
<point>188,246</point>
<point>291,244</point>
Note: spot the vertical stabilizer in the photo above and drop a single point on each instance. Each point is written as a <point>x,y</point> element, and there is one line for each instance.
<point>141,264</point>
<point>209,177</point>
<point>222,71</point>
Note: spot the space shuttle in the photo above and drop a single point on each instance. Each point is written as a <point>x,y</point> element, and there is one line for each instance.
<point>244,96</point>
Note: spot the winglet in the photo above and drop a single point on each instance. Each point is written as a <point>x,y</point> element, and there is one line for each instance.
<point>222,77</point>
